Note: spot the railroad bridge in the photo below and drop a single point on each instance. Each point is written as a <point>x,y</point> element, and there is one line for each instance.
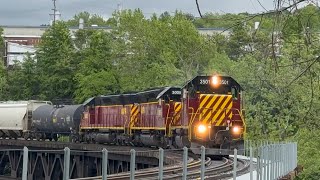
<point>46,159</point>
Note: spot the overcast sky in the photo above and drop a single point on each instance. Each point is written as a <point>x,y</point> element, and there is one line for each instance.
<point>36,12</point>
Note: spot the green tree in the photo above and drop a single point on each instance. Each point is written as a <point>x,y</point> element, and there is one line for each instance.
<point>23,79</point>
<point>1,45</point>
<point>3,82</point>
<point>97,69</point>
<point>3,74</point>
<point>308,151</point>
<point>161,49</point>
<point>88,19</point>
<point>56,64</point>
<point>244,39</point>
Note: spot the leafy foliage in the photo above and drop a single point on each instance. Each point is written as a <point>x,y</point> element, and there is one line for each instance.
<point>308,150</point>
<point>55,63</point>
<point>96,72</point>
<point>3,82</point>
<point>23,79</point>
<point>88,20</point>
<point>3,74</point>
<point>167,59</point>
<point>1,45</point>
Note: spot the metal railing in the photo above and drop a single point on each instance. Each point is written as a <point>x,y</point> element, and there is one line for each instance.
<point>266,161</point>
<point>273,160</point>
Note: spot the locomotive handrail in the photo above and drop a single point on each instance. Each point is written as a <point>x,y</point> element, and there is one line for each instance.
<point>165,132</point>
<point>243,121</point>
<point>191,122</point>
<point>131,123</point>
<point>192,111</point>
<point>175,117</point>
<point>222,109</point>
<point>124,125</point>
<point>218,109</point>
<point>193,115</point>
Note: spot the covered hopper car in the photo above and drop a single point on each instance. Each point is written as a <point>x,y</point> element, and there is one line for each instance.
<point>16,118</point>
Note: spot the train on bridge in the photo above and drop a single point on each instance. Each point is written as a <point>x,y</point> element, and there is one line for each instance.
<point>206,111</point>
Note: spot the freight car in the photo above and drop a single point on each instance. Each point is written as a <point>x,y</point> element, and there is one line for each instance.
<point>16,118</point>
<point>49,121</point>
<point>38,120</point>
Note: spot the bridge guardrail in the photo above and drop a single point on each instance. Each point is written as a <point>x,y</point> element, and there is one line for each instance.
<point>269,161</point>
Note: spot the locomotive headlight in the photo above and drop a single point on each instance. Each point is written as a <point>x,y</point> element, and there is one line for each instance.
<point>215,80</point>
<point>202,129</point>
<point>236,130</point>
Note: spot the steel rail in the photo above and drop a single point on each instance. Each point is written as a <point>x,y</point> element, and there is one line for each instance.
<point>175,172</point>
<point>3,177</point>
<point>152,172</point>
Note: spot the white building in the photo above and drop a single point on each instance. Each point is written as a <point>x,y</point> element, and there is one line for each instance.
<point>17,52</point>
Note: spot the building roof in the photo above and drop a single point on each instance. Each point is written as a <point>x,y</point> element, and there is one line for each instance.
<point>37,31</point>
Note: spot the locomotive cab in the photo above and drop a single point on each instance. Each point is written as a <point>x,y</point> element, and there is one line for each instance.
<point>214,114</point>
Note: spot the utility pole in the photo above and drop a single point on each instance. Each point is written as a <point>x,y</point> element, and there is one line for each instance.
<point>119,6</point>
<point>119,11</point>
<point>54,11</point>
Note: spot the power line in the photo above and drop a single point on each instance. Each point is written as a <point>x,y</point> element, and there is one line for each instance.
<point>262,5</point>
<point>295,64</point>
<point>198,8</point>
<point>304,71</point>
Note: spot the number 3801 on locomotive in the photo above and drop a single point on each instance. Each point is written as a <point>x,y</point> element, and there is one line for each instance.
<point>213,112</point>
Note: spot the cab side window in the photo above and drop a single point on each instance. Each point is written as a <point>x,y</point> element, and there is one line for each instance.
<point>235,93</point>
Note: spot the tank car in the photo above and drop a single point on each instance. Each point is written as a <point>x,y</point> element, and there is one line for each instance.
<point>213,112</point>
<point>51,121</point>
<point>16,118</point>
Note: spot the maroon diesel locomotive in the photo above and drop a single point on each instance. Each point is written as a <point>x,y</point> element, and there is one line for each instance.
<point>213,112</point>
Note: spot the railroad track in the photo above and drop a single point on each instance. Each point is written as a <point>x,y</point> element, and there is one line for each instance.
<point>3,177</point>
<point>20,143</point>
<point>223,170</point>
